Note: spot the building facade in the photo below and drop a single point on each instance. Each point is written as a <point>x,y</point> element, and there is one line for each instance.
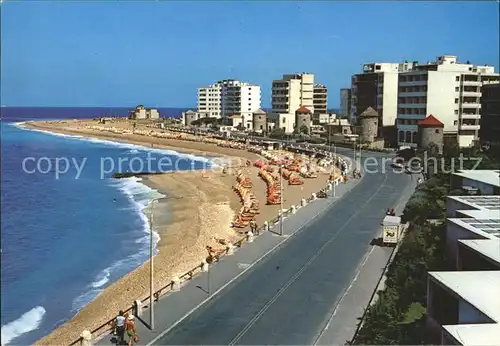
<point>463,305</point>
<point>448,89</point>
<point>291,92</point>
<point>377,87</point>
<point>228,97</point>
<point>320,101</point>
<point>489,130</point>
<point>345,102</point>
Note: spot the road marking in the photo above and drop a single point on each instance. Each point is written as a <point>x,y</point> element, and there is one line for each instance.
<point>297,231</point>
<point>243,265</point>
<point>304,268</point>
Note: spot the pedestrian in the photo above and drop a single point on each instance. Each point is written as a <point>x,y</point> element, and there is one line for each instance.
<point>253,226</point>
<point>130,329</point>
<point>120,328</point>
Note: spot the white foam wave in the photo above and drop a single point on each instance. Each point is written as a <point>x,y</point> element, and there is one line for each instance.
<point>26,323</point>
<point>133,151</point>
<point>137,148</point>
<point>102,279</point>
<point>140,197</point>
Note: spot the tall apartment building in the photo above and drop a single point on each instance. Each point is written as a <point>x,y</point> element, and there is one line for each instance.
<point>377,87</point>
<point>489,130</point>
<point>229,97</point>
<point>291,92</point>
<point>320,96</point>
<point>345,102</point>
<point>447,89</point>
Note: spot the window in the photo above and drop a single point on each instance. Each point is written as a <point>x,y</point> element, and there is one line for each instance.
<point>408,137</point>
<point>284,120</point>
<point>437,130</point>
<point>457,89</point>
<point>455,122</point>
<point>457,78</point>
<point>262,127</point>
<point>401,136</point>
<point>377,67</point>
<point>456,111</point>
<point>456,100</point>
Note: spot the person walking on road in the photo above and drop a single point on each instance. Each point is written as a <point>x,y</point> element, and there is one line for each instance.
<point>130,329</point>
<point>120,328</point>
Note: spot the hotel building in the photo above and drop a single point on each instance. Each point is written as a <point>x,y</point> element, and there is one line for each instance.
<point>320,104</point>
<point>345,102</point>
<point>489,130</point>
<point>449,90</point>
<point>229,97</point>
<point>377,87</point>
<point>291,92</point>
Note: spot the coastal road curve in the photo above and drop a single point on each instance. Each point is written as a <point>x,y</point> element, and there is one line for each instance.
<point>289,296</point>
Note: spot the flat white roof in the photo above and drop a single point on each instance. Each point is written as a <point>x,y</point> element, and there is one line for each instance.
<point>476,334</point>
<point>488,247</point>
<point>478,288</point>
<point>487,176</point>
<point>479,202</point>
<point>486,228</point>
<point>481,214</point>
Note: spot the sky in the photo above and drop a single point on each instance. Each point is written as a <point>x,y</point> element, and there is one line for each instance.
<point>157,53</point>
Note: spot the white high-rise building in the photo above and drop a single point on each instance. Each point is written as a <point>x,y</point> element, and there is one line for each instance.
<point>448,90</point>
<point>377,87</point>
<point>229,97</point>
<point>291,92</point>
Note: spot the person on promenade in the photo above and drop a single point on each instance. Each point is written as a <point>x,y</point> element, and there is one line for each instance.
<point>130,329</point>
<point>120,328</point>
<point>253,226</point>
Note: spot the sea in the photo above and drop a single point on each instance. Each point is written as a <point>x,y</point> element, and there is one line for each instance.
<point>67,236</point>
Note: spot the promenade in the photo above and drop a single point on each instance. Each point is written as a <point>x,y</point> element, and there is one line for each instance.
<point>291,289</point>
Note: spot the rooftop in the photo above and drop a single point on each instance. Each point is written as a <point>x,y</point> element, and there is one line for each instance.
<point>479,202</point>
<point>485,228</point>
<point>475,334</point>
<point>303,109</point>
<point>369,112</point>
<point>487,176</point>
<point>478,288</point>
<point>430,121</point>
<point>488,247</point>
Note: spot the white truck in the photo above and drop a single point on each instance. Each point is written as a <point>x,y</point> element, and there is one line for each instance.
<point>392,230</point>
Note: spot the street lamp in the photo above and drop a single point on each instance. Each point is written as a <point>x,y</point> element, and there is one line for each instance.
<point>281,194</point>
<point>151,266</point>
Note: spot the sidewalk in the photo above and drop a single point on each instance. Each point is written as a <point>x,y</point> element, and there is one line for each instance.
<point>172,308</point>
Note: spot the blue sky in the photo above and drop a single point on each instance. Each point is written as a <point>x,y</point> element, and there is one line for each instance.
<point>158,53</point>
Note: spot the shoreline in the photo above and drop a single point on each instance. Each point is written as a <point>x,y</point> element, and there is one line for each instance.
<point>183,239</point>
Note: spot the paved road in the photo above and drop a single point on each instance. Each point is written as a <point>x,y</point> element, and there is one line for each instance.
<point>290,295</point>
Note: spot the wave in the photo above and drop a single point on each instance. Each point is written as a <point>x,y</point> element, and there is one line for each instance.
<point>28,322</point>
<point>132,147</point>
<point>141,197</point>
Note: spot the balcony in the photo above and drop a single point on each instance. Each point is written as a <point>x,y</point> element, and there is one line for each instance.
<point>471,83</point>
<point>412,105</point>
<point>469,127</point>
<point>413,94</point>
<point>412,116</point>
<point>473,105</point>
<point>471,116</point>
<point>413,83</point>
<point>471,94</point>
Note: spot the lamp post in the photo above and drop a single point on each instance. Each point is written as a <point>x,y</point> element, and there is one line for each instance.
<point>151,267</point>
<point>281,194</point>
<point>335,158</point>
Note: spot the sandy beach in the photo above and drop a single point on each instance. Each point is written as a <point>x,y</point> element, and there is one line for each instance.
<point>199,207</point>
